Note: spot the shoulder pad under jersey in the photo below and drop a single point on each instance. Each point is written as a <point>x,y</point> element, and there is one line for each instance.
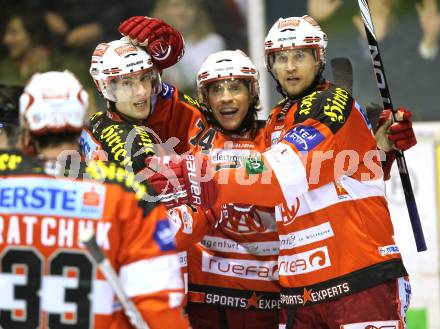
<point>191,101</point>
<point>125,143</point>
<point>113,173</point>
<point>13,162</point>
<point>331,107</point>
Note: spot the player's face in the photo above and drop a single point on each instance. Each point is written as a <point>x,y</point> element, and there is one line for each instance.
<point>295,69</point>
<point>16,39</point>
<point>133,94</point>
<point>229,101</point>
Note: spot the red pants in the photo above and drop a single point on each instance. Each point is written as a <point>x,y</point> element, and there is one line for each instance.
<point>379,307</point>
<point>204,316</point>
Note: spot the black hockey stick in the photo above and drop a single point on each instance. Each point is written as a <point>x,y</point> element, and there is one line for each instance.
<point>89,240</point>
<point>386,99</point>
<point>342,73</point>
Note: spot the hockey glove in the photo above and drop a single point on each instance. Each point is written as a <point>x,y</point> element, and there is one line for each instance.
<point>394,135</point>
<point>163,42</point>
<point>182,180</point>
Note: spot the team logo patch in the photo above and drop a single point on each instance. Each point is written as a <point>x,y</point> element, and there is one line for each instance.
<point>164,236</point>
<point>305,138</point>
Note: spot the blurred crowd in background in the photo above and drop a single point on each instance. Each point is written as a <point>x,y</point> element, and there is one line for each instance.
<point>38,36</point>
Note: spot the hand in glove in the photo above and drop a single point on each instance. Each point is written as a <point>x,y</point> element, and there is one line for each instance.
<point>394,135</point>
<point>182,180</point>
<point>163,42</point>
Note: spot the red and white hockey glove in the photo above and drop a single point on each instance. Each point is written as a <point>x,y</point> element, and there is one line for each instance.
<point>394,135</point>
<point>182,180</point>
<point>163,42</point>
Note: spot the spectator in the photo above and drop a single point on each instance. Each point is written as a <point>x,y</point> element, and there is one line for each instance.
<point>429,18</point>
<point>191,19</point>
<point>9,131</point>
<point>28,47</point>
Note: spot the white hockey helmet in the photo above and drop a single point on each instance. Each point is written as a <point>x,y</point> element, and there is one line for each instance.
<point>53,102</point>
<point>117,59</point>
<point>294,32</point>
<point>227,64</point>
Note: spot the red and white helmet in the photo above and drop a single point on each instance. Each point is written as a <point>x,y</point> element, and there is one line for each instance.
<point>295,32</point>
<point>228,64</point>
<point>53,102</point>
<point>120,58</point>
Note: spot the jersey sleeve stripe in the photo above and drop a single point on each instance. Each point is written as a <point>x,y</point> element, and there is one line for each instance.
<point>282,158</point>
<point>152,275</point>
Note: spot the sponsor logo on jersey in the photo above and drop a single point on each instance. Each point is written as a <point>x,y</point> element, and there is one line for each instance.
<point>42,196</point>
<point>255,300</point>
<point>314,296</point>
<point>164,236</point>
<point>240,268</point>
<point>393,324</point>
<point>255,166</point>
<point>192,101</point>
<point>306,104</point>
<point>335,106</point>
<point>230,158</point>
<point>389,250</point>
<point>262,248</point>
<point>305,262</point>
<point>167,91</point>
<point>9,161</point>
<point>305,138</point>
<point>306,236</point>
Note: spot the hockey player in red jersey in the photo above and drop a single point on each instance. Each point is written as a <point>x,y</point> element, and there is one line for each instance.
<point>233,280</point>
<point>223,121</point>
<point>339,266</point>
<point>47,277</point>
<point>129,79</point>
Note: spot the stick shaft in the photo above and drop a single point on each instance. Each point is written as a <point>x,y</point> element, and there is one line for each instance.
<point>107,269</point>
<point>382,84</point>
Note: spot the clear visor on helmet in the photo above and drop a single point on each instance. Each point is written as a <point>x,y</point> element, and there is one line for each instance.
<point>294,56</point>
<point>233,86</point>
<point>133,86</point>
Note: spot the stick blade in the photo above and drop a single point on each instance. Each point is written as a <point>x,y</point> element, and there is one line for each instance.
<point>342,71</point>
